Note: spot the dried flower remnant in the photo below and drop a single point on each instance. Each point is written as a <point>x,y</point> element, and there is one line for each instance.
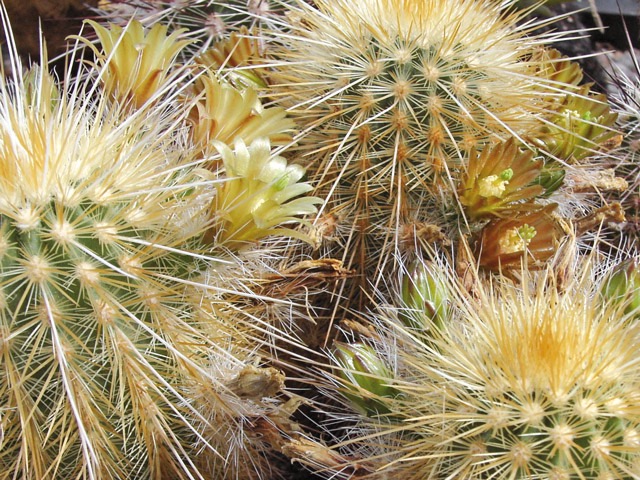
<point>504,243</point>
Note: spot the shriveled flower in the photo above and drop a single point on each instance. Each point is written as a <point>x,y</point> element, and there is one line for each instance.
<point>136,62</point>
<point>498,182</point>
<point>224,113</point>
<point>261,193</point>
<point>504,243</point>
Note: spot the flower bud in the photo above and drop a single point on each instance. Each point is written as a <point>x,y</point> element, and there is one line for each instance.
<point>424,298</point>
<point>623,285</point>
<point>366,376</point>
<point>551,178</point>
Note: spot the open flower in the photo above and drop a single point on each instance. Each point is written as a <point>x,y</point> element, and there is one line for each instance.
<point>136,62</point>
<point>504,243</point>
<point>498,182</point>
<point>581,123</point>
<point>258,196</point>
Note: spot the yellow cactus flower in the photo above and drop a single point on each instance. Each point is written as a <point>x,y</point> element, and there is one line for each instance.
<point>223,113</point>
<point>235,54</point>
<point>258,196</point>
<point>580,124</point>
<point>504,243</point>
<point>136,62</point>
<point>498,182</point>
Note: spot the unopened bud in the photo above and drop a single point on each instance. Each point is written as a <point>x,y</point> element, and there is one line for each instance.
<point>424,297</point>
<point>623,285</point>
<point>366,377</point>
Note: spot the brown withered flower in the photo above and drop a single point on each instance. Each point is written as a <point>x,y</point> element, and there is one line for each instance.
<point>505,242</point>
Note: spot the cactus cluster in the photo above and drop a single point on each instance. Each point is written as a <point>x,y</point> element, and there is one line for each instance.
<point>119,359</point>
<point>350,236</point>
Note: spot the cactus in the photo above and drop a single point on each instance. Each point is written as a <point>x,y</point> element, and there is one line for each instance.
<point>527,380</point>
<point>207,21</point>
<point>395,96</point>
<point>111,363</point>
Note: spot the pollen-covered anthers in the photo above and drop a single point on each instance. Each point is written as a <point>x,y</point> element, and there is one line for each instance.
<point>221,112</point>
<point>503,244</point>
<point>498,182</point>
<point>135,63</point>
<point>259,196</point>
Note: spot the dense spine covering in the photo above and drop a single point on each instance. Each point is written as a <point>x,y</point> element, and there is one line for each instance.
<point>521,380</point>
<point>119,358</point>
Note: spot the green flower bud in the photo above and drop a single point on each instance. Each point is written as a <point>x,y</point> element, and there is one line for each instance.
<point>551,178</point>
<point>623,285</point>
<point>366,376</point>
<point>424,298</point>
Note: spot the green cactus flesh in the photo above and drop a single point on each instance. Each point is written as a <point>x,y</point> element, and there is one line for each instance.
<point>93,335</point>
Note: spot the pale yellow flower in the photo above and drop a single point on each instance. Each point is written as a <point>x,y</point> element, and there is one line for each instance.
<point>261,193</point>
<point>222,112</point>
<point>498,181</point>
<point>136,62</point>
